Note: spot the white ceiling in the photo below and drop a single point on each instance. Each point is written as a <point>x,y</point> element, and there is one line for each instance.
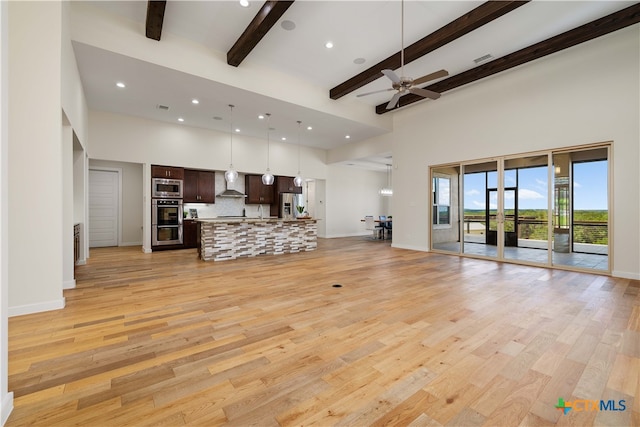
<point>358,29</point>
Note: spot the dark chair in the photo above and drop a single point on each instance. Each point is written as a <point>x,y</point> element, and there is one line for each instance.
<point>386,225</point>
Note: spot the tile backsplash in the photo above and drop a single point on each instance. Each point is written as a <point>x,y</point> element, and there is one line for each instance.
<point>225,206</point>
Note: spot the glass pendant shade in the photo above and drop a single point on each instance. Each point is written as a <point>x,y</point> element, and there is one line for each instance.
<point>387,191</point>
<point>267,178</point>
<point>297,181</point>
<point>231,175</point>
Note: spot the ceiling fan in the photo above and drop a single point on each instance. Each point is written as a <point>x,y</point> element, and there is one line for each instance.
<point>403,85</point>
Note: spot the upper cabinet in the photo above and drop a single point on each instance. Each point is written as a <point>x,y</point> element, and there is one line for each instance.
<point>169,172</point>
<point>284,184</point>
<point>257,192</point>
<point>199,186</point>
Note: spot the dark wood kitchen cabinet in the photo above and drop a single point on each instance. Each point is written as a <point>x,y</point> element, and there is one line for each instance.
<point>168,172</point>
<point>189,233</point>
<point>257,192</point>
<point>284,184</point>
<point>199,186</point>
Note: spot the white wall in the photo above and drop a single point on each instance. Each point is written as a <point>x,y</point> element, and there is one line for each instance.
<point>351,195</point>
<point>132,192</point>
<point>586,94</point>
<point>35,175</point>
<point>73,100</point>
<point>132,139</point>
<point>6,398</point>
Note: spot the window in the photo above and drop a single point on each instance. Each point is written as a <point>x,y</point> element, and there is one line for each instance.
<point>441,201</point>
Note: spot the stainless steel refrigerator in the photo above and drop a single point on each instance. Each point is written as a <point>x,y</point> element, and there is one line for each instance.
<point>289,203</point>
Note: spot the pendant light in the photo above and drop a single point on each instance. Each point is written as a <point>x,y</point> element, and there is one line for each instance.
<point>297,181</point>
<point>267,178</point>
<point>387,191</point>
<point>231,174</point>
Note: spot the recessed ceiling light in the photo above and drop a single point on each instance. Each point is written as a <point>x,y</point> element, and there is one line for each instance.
<point>328,45</point>
<point>195,101</point>
<point>261,117</point>
<point>288,25</point>
<point>120,85</point>
<point>284,138</point>
<point>347,136</point>
<point>244,3</point>
<point>180,119</point>
<point>359,61</point>
<point>237,130</point>
<point>309,128</point>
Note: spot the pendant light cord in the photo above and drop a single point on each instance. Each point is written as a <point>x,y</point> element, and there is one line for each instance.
<point>299,123</point>
<point>402,38</point>
<point>268,130</point>
<point>231,134</point>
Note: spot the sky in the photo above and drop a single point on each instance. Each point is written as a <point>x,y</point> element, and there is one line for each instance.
<point>589,187</point>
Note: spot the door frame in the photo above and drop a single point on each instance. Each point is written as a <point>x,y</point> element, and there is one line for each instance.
<point>500,164</point>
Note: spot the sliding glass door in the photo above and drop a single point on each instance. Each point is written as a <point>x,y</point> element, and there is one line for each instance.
<point>549,208</point>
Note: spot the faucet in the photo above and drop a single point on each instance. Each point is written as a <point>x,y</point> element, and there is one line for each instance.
<point>260,211</point>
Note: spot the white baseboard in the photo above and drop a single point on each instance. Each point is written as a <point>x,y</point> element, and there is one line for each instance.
<point>130,244</point>
<point>626,275</point>
<point>6,408</point>
<point>81,262</point>
<point>146,250</point>
<point>36,308</point>
<point>69,284</point>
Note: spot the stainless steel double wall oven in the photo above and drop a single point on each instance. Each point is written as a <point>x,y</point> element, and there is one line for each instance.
<point>166,212</point>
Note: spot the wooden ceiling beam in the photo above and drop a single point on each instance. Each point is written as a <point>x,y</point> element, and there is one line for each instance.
<point>155,18</point>
<point>266,18</point>
<point>594,29</point>
<point>468,22</point>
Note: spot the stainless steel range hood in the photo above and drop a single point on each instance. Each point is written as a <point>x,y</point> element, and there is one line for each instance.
<point>231,193</point>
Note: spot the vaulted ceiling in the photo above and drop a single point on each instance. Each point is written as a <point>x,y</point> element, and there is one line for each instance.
<point>471,40</point>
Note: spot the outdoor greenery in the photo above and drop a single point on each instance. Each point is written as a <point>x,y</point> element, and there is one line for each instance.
<point>589,226</point>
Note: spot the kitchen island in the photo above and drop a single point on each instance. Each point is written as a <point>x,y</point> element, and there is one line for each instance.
<point>223,239</point>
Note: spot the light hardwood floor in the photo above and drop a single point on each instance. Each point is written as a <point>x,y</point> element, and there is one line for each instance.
<point>410,338</point>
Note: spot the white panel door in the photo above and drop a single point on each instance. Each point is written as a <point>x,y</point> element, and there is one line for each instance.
<point>103,208</point>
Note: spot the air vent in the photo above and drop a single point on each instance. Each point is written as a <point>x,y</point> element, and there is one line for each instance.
<point>484,58</point>
<point>162,107</point>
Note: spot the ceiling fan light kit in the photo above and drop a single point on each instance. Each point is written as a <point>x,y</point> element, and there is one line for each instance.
<point>403,85</point>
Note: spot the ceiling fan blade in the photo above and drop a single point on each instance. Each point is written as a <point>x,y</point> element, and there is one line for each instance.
<point>432,76</point>
<point>394,101</point>
<point>425,93</point>
<point>391,75</point>
<point>375,91</point>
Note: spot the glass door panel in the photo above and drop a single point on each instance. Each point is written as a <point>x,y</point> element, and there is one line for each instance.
<point>510,215</point>
<point>480,182</point>
<point>526,209</point>
<point>581,209</point>
<point>445,209</point>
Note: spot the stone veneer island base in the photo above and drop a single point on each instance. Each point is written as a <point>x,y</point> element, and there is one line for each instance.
<point>223,239</point>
